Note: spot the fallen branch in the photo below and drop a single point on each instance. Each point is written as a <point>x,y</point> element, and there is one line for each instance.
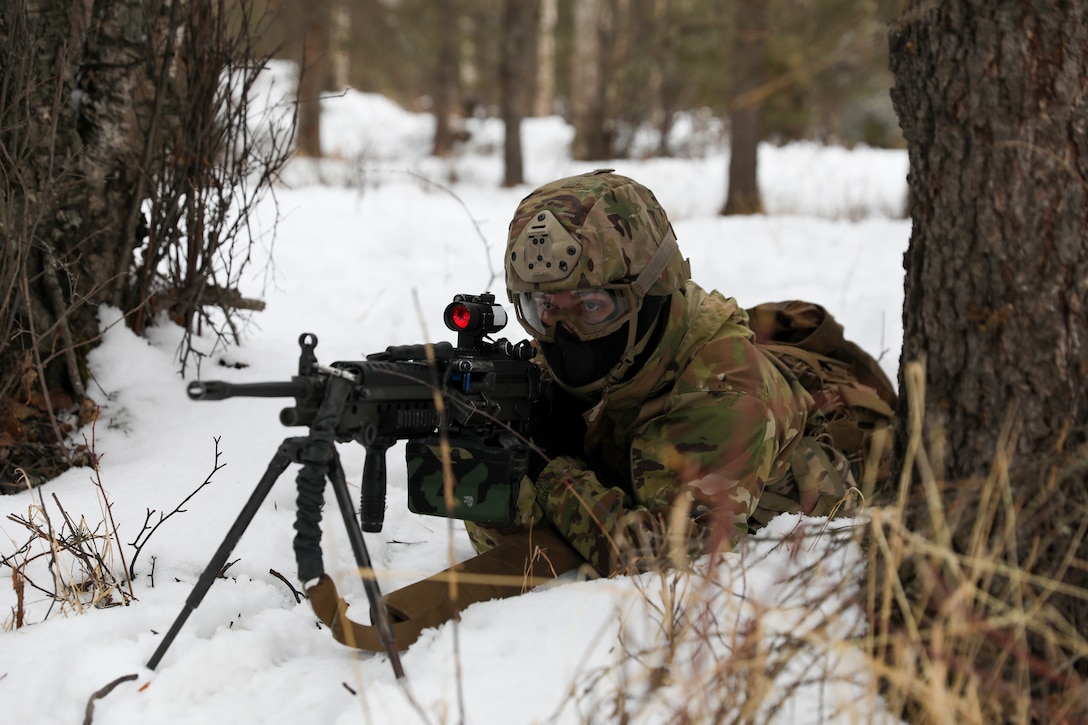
<point>88,717</point>
<point>299,596</point>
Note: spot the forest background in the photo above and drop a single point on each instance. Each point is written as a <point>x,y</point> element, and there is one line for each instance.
<point>807,69</point>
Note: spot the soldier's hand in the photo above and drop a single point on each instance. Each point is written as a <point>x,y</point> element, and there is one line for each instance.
<point>528,511</point>
<point>560,471</point>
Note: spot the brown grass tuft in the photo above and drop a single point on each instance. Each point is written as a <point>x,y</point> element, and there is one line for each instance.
<point>975,588</point>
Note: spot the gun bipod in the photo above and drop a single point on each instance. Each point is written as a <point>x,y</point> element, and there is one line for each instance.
<point>320,462</point>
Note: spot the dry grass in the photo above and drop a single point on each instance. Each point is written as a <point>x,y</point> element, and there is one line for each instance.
<point>733,639</point>
<point>976,616</point>
<point>83,563</point>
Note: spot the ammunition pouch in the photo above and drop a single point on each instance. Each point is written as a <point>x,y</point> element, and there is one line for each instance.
<point>485,478</point>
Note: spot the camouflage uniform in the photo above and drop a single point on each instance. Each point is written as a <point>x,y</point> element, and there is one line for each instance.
<point>704,438</point>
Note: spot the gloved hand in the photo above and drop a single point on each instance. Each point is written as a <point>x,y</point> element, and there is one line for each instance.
<point>532,497</point>
<point>560,471</point>
<point>611,532</point>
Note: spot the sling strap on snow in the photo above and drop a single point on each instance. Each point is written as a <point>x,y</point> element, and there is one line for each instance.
<point>519,563</point>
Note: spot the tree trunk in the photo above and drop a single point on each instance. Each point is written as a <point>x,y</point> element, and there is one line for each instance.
<point>995,113</point>
<point>80,135</point>
<point>663,79</point>
<point>313,76</point>
<point>340,45</point>
<point>445,79</point>
<point>588,82</point>
<point>991,98</point>
<point>71,145</point>
<point>519,17</point>
<point>544,98</point>
<point>749,60</point>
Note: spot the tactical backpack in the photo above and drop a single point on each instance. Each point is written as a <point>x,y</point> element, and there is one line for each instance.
<point>854,400</point>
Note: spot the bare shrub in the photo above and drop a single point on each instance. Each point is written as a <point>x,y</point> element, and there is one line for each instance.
<point>131,162</point>
<point>221,154</point>
<point>76,561</point>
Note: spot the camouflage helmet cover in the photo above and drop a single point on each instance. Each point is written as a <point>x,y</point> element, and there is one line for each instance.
<point>591,230</point>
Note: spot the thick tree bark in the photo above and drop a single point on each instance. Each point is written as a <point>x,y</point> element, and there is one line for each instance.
<point>991,96</point>
<point>749,60</point>
<point>76,105</point>
<point>81,131</point>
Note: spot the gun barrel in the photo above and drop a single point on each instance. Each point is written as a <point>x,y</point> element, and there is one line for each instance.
<point>220,390</point>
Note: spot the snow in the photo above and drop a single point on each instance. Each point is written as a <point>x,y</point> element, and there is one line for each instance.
<point>370,246</point>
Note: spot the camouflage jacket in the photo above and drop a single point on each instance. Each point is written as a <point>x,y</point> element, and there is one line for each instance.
<point>706,428</point>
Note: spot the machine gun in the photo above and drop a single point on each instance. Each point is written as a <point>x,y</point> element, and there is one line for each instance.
<point>481,395</point>
<point>466,412</point>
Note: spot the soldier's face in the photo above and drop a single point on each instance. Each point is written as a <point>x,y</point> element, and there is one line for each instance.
<point>585,313</point>
<point>590,307</point>
<point>588,314</point>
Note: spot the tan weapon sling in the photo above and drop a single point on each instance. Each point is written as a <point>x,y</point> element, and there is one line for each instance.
<point>519,563</point>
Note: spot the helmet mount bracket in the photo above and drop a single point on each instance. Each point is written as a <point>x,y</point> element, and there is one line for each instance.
<point>544,251</point>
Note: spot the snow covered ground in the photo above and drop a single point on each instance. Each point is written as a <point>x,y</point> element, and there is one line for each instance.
<point>369,248</point>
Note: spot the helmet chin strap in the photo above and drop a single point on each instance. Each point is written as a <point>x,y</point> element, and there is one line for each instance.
<point>634,349</point>
<point>657,263</point>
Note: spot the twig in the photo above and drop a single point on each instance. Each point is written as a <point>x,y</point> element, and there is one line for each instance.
<point>299,596</point>
<point>146,532</point>
<point>97,480</point>
<point>89,716</point>
<point>223,572</point>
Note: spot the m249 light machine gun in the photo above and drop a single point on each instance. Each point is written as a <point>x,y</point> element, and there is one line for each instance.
<point>465,412</point>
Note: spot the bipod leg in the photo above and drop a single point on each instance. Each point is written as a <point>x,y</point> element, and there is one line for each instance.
<point>276,467</point>
<point>379,615</point>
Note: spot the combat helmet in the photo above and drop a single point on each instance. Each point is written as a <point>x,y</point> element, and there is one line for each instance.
<point>590,259</point>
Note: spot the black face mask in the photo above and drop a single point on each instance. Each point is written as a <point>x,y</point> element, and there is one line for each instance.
<point>576,362</point>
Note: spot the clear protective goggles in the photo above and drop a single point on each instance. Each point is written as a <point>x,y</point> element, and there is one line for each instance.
<point>589,313</point>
